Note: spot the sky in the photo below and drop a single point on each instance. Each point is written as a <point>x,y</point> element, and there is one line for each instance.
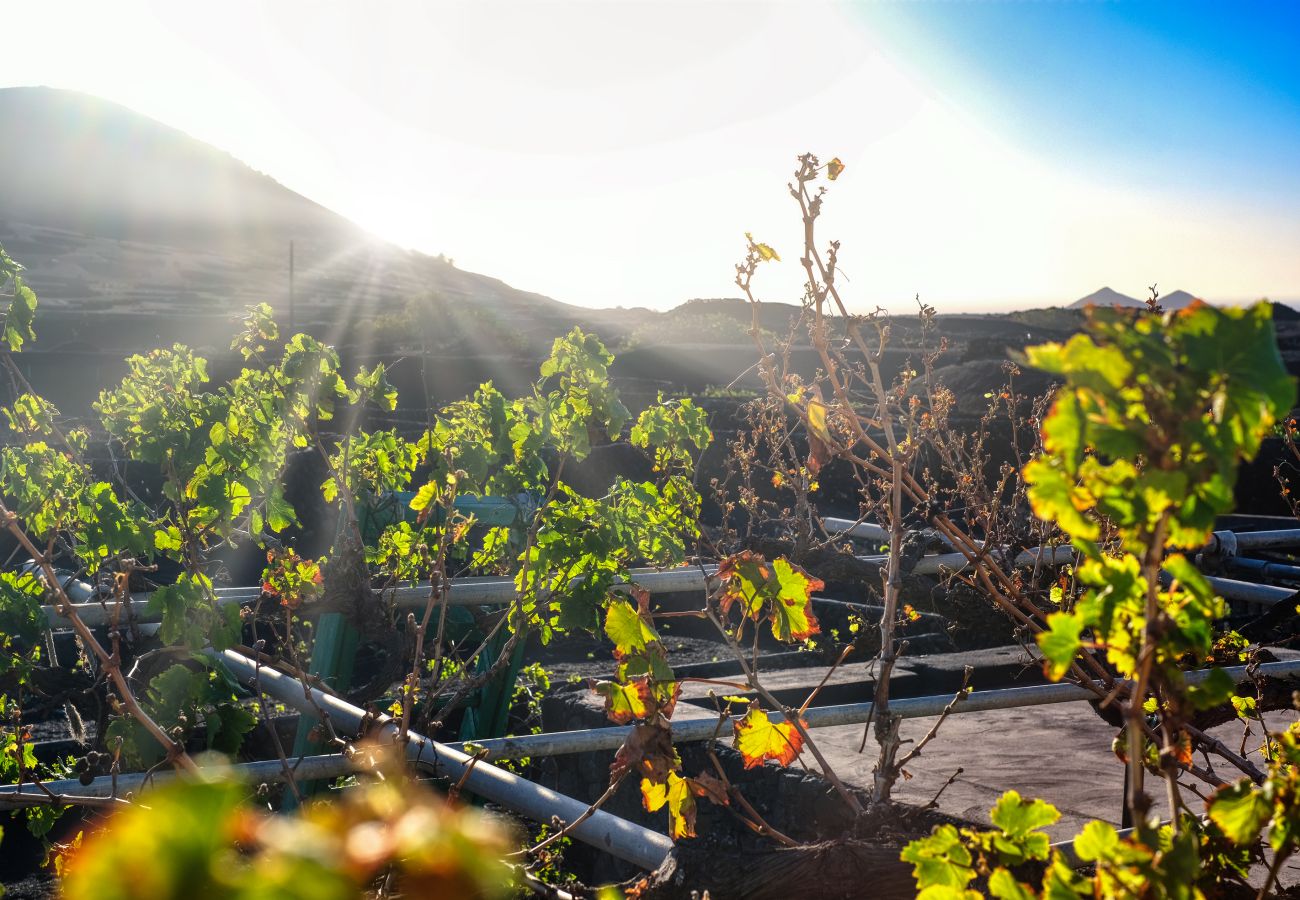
<point>999,153</point>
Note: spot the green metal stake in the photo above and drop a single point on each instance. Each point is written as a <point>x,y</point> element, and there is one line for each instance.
<point>332,658</point>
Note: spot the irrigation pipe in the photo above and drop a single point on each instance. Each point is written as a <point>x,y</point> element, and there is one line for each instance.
<point>689,730</point>
<point>607,832</point>
<point>464,592</point>
<point>501,591</point>
<point>105,786</point>
<point>1228,588</point>
<point>1220,542</point>
<point>1263,568</point>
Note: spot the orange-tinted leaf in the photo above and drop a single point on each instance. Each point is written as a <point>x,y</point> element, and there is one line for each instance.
<point>625,702</point>
<point>779,591</point>
<point>666,694</point>
<point>648,751</point>
<point>819,454</point>
<point>642,598</point>
<point>834,168</point>
<point>820,441</point>
<point>759,739</point>
<point>706,785</point>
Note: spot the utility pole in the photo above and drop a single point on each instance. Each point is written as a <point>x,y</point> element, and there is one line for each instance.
<point>292,329</point>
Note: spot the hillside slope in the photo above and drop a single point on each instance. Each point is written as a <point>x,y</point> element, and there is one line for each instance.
<point>114,212</point>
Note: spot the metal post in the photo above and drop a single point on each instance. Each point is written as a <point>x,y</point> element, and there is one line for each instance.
<point>292,326</point>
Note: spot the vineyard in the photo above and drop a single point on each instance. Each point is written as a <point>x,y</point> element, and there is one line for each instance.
<point>259,640</point>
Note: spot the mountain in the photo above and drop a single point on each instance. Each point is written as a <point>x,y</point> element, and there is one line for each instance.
<point>112,211</point>
<point>1105,297</point>
<point>1178,300</point>
<point>1108,297</point>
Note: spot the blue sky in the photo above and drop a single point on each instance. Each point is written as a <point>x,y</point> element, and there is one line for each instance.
<point>1146,92</point>
<point>614,153</point>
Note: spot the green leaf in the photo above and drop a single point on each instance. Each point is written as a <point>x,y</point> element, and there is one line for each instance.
<point>627,629</point>
<point>1003,885</point>
<point>1018,818</point>
<point>167,539</point>
<point>1060,643</point>
<point>1217,688</point>
<point>22,312</point>
<point>792,615</point>
<point>280,513</point>
<point>940,860</point>
<point>1240,810</point>
<point>1056,498</point>
<point>1097,840</point>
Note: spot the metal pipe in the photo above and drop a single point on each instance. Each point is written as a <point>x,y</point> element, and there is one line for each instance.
<point>867,531</point>
<point>1262,568</point>
<point>1249,592</point>
<point>607,832</point>
<point>309,768</point>
<point>956,562</point>
<point>688,730</point>
<point>464,592</point>
<point>1253,540</point>
<point>1219,540</point>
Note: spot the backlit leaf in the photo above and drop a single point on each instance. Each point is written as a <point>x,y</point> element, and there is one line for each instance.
<point>1003,886</point>
<point>1097,840</point>
<point>627,629</point>
<point>792,615</point>
<point>1018,818</point>
<point>675,793</point>
<point>1240,810</point>
<point>706,785</point>
<point>625,702</point>
<point>1060,643</point>
<point>759,739</point>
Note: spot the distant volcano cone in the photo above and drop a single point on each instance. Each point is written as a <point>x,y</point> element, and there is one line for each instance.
<point>1105,297</point>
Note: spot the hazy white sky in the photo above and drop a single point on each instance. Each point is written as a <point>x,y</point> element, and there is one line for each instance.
<point>614,153</point>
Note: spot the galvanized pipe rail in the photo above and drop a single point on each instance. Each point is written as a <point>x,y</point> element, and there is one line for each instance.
<point>607,832</point>
<point>463,592</point>
<point>1219,543</point>
<point>690,730</point>
<point>1222,545</point>
<point>107,786</point>
<point>1263,568</point>
<point>621,838</point>
<point>501,591</point>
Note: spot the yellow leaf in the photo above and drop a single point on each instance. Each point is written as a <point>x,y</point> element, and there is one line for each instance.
<point>759,739</point>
